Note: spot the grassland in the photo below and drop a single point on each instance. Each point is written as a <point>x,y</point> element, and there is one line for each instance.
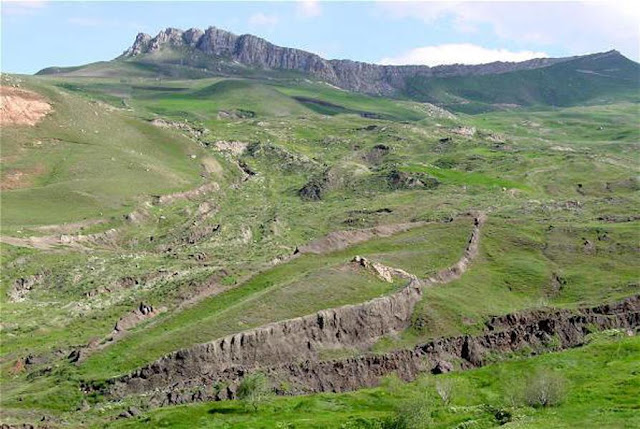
<point>559,185</point>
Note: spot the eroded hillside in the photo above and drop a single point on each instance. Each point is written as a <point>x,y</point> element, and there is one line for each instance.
<point>169,238</point>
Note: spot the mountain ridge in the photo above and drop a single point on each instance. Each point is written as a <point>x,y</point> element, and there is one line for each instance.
<point>348,74</point>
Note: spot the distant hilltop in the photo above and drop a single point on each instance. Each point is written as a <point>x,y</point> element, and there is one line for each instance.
<point>352,75</point>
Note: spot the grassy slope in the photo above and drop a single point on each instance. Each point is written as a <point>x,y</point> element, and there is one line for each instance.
<point>87,156</point>
<point>592,79</point>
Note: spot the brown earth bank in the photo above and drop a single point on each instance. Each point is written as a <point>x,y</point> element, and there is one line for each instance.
<point>524,333</point>
<point>21,107</point>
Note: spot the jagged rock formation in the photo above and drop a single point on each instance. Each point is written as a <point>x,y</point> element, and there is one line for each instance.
<point>352,75</point>
<point>279,343</point>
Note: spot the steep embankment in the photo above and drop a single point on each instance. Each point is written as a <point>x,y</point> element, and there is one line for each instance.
<point>525,332</point>
<point>351,326</point>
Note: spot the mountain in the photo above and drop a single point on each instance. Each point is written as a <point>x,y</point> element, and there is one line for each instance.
<point>352,75</point>
<point>195,53</point>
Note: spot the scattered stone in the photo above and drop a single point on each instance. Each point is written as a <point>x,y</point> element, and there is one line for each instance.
<point>22,287</point>
<point>464,131</point>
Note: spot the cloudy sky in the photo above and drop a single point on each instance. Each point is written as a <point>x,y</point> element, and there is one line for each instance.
<point>37,34</point>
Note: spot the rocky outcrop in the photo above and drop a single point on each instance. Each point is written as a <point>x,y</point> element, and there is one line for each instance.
<point>351,326</point>
<point>381,271</point>
<point>356,76</point>
<point>22,286</point>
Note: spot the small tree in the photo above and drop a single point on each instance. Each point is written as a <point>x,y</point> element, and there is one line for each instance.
<point>254,390</point>
<point>544,389</point>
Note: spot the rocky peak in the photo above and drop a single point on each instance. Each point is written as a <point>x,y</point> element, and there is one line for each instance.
<point>140,45</point>
<point>352,75</point>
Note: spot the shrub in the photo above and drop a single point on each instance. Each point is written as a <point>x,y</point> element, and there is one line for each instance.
<point>254,390</point>
<point>445,388</point>
<point>544,389</point>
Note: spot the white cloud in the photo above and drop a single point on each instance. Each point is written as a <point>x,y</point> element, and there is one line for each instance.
<point>309,9</point>
<point>577,26</point>
<point>22,7</point>
<point>99,22</point>
<point>459,53</point>
<point>263,20</point>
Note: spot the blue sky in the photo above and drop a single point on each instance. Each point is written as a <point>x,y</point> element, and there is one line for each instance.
<point>37,34</point>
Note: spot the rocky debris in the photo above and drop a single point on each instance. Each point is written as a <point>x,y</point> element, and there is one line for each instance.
<point>18,426</point>
<point>76,355</point>
<point>618,218</point>
<point>442,367</point>
<point>194,132</point>
<point>382,271</point>
<point>313,190</point>
<point>199,232</point>
<point>405,180</point>
<point>569,205</point>
<point>246,170</point>
<point>357,76</point>
<point>235,148</point>
<point>130,320</point>
<point>496,138</point>
<point>351,326</point>
<point>130,412</point>
<point>282,158</point>
<point>78,241</point>
<point>562,149</point>
<point>22,107</point>
<point>21,287</point>
<point>588,247</point>
<point>434,111</point>
<point>186,195</point>
<point>137,216</point>
<point>464,131</point>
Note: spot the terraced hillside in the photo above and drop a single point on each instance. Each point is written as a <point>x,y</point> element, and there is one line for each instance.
<point>168,241</point>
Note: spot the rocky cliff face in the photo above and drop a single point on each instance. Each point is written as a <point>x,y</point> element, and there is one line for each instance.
<point>356,76</point>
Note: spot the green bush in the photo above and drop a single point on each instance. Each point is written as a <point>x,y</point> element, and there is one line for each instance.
<point>255,390</point>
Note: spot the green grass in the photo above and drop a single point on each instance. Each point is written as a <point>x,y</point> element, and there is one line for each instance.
<point>86,156</point>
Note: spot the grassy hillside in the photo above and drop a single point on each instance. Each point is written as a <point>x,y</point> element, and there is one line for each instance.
<point>91,157</point>
<point>560,187</point>
<point>596,79</point>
